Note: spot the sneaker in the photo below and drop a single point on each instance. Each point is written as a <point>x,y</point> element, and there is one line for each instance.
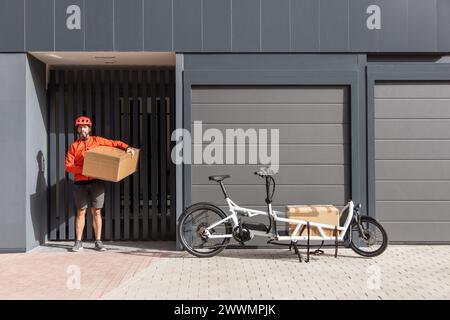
<point>99,246</point>
<point>78,246</point>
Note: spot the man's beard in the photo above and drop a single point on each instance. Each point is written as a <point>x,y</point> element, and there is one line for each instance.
<point>83,136</point>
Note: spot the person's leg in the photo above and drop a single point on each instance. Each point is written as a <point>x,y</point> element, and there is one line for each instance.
<point>97,199</point>
<point>80,198</point>
<point>79,223</point>
<point>97,222</point>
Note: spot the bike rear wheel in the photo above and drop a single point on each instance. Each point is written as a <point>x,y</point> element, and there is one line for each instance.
<point>372,242</point>
<point>192,225</point>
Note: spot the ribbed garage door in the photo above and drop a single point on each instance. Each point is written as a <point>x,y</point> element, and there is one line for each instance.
<point>412,166</point>
<point>314,136</point>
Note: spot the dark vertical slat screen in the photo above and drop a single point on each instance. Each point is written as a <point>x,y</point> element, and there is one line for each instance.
<point>137,107</point>
<point>126,137</point>
<point>153,156</point>
<point>60,187</point>
<point>106,116</point>
<point>52,157</point>
<point>116,134</point>
<point>97,116</point>
<point>172,180</point>
<point>71,136</point>
<point>134,142</point>
<point>162,152</point>
<point>88,112</point>
<point>144,176</point>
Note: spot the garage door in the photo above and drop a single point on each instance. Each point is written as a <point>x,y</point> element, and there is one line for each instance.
<point>314,131</point>
<point>412,166</point>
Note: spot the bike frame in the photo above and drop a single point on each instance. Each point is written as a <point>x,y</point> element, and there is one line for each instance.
<point>235,209</point>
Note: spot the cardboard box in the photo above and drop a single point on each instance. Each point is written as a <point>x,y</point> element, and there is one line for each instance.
<point>109,164</point>
<point>326,214</point>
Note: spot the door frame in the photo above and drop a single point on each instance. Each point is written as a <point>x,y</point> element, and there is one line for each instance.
<point>285,69</point>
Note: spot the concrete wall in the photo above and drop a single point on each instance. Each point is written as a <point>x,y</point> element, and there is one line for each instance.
<point>13,152</point>
<point>23,141</point>
<point>36,153</point>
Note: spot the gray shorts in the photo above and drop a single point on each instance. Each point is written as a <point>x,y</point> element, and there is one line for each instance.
<point>92,194</point>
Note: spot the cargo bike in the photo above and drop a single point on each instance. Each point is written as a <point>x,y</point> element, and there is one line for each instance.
<point>205,230</point>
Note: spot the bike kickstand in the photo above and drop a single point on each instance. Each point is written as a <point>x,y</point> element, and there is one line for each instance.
<point>335,242</point>
<point>294,243</point>
<point>307,242</point>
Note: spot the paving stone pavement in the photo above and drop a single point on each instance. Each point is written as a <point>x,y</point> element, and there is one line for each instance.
<point>402,272</point>
<point>52,272</point>
<point>156,271</point>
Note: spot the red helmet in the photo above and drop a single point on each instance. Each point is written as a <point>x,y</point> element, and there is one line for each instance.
<point>83,121</point>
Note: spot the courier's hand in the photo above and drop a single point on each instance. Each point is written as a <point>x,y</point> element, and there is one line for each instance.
<point>132,151</point>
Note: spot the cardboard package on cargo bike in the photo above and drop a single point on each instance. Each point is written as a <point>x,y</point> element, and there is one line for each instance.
<point>325,214</point>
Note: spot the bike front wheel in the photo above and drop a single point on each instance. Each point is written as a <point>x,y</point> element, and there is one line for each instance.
<point>192,225</point>
<point>371,241</point>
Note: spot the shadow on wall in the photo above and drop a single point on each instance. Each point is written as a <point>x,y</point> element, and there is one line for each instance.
<point>38,74</point>
<point>38,202</point>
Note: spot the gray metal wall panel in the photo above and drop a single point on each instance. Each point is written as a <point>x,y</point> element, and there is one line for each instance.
<point>275,25</point>
<point>413,170</point>
<point>39,25</point>
<point>417,210</point>
<point>424,190</point>
<point>12,137</point>
<point>412,109</point>
<point>422,25</point>
<point>12,30</point>
<point>334,32</point>
<point>417,232</point>
<point>413,129</point>
<point>252,94</point>
<point>246,26</point>
<point>288,174</point>
<point>394,30</point>
<point>416,89</point>
<point>292,133</point>
<point>261,61</point>
<point>308,153</point>
<point>412,159</point>
<point>360,37</point>
<point>128,25</point>
<point>412,150</point>
<point>285,194</point>
<point>217,25</point>
<point>99,25</point>
<point>314,157</point>
<point>68,40</point>
<point>283,26</point>
<point>305,25</point>
<point>271,113</point>
<point>443,25</point>
<point>158,25</point>
<point>187,20</point>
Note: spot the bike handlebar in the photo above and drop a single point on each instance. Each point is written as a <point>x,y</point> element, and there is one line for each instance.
<point>265,172</point>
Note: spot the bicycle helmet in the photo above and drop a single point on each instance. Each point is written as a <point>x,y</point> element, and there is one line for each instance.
<point>83,121</point>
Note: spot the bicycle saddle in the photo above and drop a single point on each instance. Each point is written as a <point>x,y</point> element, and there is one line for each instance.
<point>219,178</point>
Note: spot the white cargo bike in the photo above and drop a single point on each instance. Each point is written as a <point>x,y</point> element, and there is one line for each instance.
<point>205,230</point>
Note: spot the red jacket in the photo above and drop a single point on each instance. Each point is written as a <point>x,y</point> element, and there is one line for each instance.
<point>75,155</point>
